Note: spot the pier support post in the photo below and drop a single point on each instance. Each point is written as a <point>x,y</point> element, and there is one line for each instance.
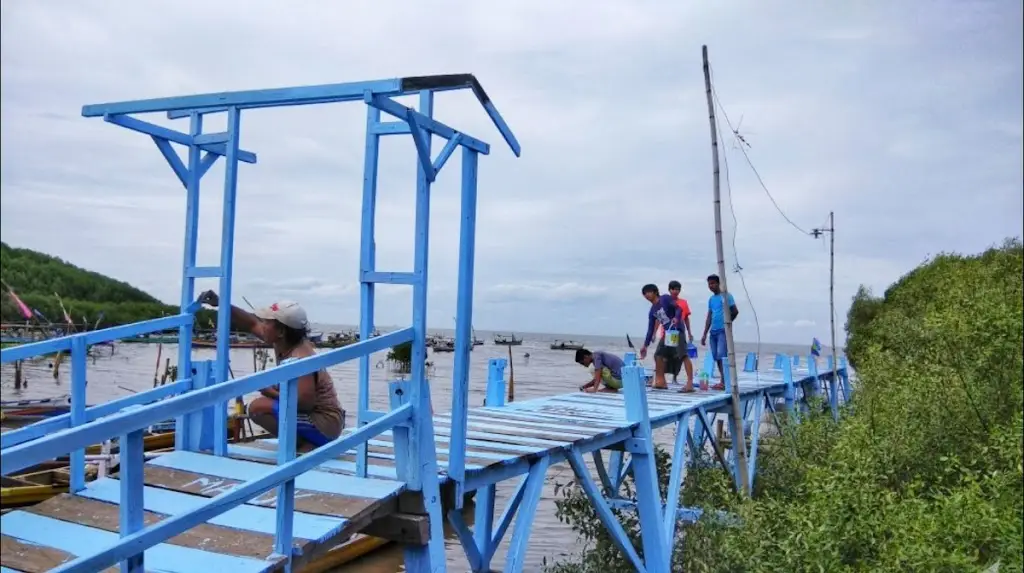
<point>657,552</point>
<point>483,519</point>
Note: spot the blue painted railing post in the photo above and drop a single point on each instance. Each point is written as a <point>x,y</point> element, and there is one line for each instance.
<point>750,363</point>
<point>79,353</point>
<point>287,422</point>
<point>779,359</point>
<point>423,453</point>
<point>483,521</point>
<point>812,371</point>
<point>463,324</point>
<point>657,555</point>
<point>790,392</point>
<point>629,358</point>
<point>188,282</point>
<point>367,264</point>
<point>132,480</point>
<point>199,424</point>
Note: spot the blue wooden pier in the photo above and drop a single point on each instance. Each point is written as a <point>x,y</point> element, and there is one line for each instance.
<point>400,473</point>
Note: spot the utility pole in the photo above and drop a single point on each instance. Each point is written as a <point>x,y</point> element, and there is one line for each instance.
<point>739,441</point>
<point>831,230</point>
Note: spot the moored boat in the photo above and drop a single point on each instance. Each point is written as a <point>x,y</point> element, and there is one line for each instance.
<point>566,345</point>
<point>507,340</point>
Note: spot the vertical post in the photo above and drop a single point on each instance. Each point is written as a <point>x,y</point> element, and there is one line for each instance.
<point>483,520</point>
<point>629,358</point>
<point>199,424</point>
<point>367,264</point>
<point>730,376</point>
<point>834,383</point>
<point>790,392</point>
<point>287,413</point>
<point>645,472</point>
<point>79,353</point>
<point>188,283</point>
<point>463,323</point>
<point>132,481</point>
<point>227,248</point>
<point>423,453</point>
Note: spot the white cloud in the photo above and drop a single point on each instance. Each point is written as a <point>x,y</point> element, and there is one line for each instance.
<point>903,119</point>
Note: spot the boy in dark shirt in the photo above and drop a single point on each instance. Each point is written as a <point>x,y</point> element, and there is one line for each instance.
<point>607,369</point>
<point>663,311</point>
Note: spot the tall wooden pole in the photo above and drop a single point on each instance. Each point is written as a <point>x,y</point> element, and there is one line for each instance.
<point>832,294</point>
<point>739,441</point>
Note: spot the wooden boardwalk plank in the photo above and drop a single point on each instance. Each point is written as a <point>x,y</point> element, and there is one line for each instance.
<point>306,501</point>
<point>251,518</point>
<point>246,471</point>
<point>79,540</point>
<point>16,556</point>
<point>105,516</point>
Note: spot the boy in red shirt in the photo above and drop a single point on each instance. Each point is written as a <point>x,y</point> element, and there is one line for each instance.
<point>675,289</point>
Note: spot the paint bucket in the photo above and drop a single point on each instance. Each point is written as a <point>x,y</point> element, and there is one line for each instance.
<point>672,338</point>
<point>691,350</point>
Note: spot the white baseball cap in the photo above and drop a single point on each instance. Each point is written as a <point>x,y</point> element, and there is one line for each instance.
<point>287,312</point>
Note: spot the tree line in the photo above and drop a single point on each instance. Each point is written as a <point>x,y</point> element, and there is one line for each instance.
<point>924,470</point>
<point>87,296</point>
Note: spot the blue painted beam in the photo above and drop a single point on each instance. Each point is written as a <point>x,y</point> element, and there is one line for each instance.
<point>25,455</point>
<point>390,278</point>
<point>161,132</point>
<point>275,97</point>
<point>391,107</point>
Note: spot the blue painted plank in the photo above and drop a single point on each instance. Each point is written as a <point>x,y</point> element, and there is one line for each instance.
<point>336,466</point>
<point>476,422</point>
<point>80,540</point>
<point>9,570</point>
<point>245,517</point>
<point>247,471</point>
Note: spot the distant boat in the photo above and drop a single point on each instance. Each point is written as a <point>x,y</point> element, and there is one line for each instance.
<point>443,345</point>
<point>509,340</point>
<point>236,341</point>
<point>477,341</point>
<point>566,345</point>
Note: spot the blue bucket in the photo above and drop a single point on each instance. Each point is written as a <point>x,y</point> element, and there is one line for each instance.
<point>691,349</point>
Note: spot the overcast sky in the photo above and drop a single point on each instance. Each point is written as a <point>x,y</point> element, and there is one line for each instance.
<point>903,117</point>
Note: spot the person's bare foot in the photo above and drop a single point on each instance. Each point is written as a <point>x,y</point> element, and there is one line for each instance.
<point>662,387</point>
<point>688,389</point>
<point>718,386</point>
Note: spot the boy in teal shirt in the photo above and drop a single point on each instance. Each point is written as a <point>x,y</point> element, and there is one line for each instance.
<point>715,326</point>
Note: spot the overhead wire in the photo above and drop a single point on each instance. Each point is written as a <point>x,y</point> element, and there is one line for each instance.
<point>735,228</point>
<point>746,156</point>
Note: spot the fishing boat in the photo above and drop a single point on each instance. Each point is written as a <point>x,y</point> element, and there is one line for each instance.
<point>237,340</point>
<point>566,345</point>
<point>507,340</point>
<point>151,339</point>
<point>338,339</point>
<point>477,341</point>
<point>443,345</point>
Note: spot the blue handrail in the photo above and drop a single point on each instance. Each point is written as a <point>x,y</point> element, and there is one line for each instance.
<point>25,455</point>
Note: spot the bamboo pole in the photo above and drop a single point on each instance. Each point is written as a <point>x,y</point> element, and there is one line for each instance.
<point>739,441</point>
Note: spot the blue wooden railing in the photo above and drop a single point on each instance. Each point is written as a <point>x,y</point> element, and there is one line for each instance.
<point>85,427</point>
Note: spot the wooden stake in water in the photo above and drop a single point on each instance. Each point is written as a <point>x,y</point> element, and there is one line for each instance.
<point>739,441</point>
<point>511,377</point>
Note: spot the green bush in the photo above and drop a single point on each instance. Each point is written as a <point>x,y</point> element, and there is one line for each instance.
<point>925,469</point>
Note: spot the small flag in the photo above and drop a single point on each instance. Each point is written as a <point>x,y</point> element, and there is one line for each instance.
<point>815,347</point>
<point>24,310</point>
<point>67,317</point>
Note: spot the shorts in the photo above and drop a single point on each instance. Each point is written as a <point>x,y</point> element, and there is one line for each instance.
<point>666,352</point>
<point>316,428</point>
<point>610,380</point>
<point>719,347</point>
